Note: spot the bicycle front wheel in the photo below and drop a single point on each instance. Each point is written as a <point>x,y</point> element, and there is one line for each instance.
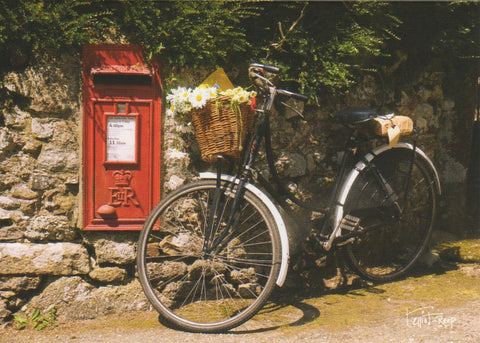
<point>198,288</point>
<point>395,231</point>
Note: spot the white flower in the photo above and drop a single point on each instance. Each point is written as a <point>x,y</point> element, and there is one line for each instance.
<point>198,97</point>
<point>184,93</point>
<point>181,100</point>
<point>178,95</point>
<point>171,98</point>
<point>212,92</point>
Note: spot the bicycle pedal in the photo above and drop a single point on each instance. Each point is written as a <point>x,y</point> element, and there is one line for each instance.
<point>350,223</point>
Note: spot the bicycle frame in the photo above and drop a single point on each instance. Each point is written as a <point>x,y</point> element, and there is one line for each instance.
<point>333,214</point>
<point>212,252</point>
<point>328,229</point>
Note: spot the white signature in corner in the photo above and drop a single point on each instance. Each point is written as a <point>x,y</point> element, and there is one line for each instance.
<point>424,316</point>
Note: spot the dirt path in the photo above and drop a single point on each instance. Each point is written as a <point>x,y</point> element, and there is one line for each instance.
<point>442,306</point>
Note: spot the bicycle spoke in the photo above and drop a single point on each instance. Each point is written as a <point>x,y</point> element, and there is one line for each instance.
<point>190,286</point>
<point>391,240</point>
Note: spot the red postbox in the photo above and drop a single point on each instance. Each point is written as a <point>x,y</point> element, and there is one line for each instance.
<point>121,137</point>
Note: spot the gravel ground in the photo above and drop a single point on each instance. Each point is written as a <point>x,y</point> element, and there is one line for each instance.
<point>440,306</point>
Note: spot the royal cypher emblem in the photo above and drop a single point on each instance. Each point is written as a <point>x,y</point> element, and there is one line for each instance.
<point>122,194</point>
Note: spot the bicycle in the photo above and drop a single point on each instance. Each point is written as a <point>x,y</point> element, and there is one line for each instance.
<point>211,252</point>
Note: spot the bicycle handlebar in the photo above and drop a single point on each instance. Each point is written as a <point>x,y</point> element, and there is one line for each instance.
<point>267,68</point>
<point>257,74</point>
<point>297,96</point>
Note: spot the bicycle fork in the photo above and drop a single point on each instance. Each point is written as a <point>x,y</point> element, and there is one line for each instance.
<point>217,237</point>
<point>217,234</point>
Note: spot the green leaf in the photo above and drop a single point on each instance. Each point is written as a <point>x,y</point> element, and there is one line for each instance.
<point>35,315</point>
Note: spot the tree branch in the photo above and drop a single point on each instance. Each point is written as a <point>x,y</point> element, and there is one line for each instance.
<point>278,46</point>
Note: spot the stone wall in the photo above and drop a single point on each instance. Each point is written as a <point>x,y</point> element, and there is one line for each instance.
<point>47,260</point>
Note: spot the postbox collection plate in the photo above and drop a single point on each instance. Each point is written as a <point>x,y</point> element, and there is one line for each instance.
<point>121,138</point>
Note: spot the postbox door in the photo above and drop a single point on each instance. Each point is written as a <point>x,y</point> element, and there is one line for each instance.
<point>121,137</point>
<point>122,193</point>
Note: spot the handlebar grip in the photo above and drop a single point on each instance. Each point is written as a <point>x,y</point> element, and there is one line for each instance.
<point>297,96</point>
<point>267,68</point>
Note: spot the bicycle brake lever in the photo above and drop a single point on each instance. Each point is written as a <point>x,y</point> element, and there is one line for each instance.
<point>293,109</point>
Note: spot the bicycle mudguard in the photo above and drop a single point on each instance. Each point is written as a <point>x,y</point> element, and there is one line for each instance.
<point>282,229</point>
<point>380,149</point>
<point>361,165</point>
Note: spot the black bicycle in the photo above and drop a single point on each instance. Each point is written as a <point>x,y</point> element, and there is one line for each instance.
<point>211,252</point>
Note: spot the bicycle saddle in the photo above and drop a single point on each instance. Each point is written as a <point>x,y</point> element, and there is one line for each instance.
<point>354,115</point>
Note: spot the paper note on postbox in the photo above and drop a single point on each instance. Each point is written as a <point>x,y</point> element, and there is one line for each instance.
<point>121,139</point>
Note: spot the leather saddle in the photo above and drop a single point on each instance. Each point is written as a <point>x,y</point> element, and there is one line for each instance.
<point>354,116</point>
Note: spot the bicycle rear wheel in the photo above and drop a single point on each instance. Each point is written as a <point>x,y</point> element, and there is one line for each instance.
<point>197,288</point>
<point>393,237</point>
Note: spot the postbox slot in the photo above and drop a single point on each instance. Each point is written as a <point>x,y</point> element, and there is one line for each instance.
<point>122,79</point>
<point>122,75</point>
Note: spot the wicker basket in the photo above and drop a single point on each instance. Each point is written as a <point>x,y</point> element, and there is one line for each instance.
<point>221,128</point>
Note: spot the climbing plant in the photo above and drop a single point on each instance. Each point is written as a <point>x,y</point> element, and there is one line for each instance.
<point>322,46</point>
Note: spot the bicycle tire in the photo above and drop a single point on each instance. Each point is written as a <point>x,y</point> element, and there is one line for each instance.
<point>392,248</point>
<point>198,292</point>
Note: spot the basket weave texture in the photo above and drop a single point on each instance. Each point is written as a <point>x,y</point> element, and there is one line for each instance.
<point>221,127</point>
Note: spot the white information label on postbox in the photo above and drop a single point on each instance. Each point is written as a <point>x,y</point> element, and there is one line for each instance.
<point>121,139</point>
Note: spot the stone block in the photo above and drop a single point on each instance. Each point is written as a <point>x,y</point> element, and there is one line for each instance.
<point>56,158</point>
<point>43,259</point>
<point>166,270</point>
<point>42,129</point>
<point>41,181</point>
<point>16,118</point>
<point>32,146</point>
<point>109,275</point>
<point>425,117</point>
<point>19,283</point>
<point>116,248</point>
<point>6,141</point>
<point>10,233</point>
<point>8,180</point>
<point>243,276</point>
<point>15,303</point>
<point>76,299</point>
<point>114,252</point>
<point>50,227</point>
<point>448,105</point>
<point>22,191</point>
<point>50,84</point>
<point>291,164</point>
<point>5,215</point>
<point>177,168</point>
<point>65,203</point>
<point>174,182</point>
<point>7,295</point>
<point>20,164</point>
<point>4,312</point>
<point>28,207</point>
<point>8,203</point>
